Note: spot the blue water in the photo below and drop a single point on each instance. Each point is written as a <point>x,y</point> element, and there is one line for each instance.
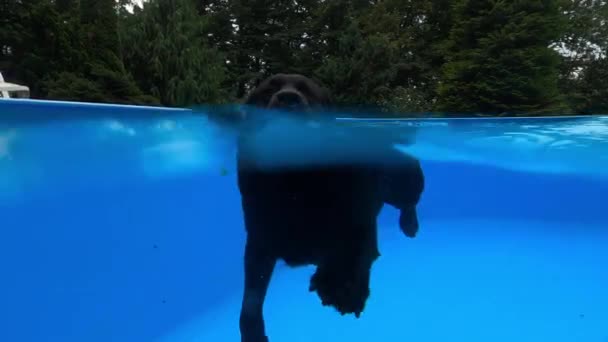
<point>124,224</point>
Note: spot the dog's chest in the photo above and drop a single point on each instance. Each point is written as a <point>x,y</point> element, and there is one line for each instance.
<point>301,198</point>
<point>306,188</point>
<point>304,215</point>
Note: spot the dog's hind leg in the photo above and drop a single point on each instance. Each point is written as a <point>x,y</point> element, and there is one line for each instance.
<point>343,279</point>
<point>259,266</point>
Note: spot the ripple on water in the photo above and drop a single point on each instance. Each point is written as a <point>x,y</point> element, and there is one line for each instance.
<point>572,146</point>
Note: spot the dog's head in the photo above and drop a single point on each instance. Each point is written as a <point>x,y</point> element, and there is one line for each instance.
<point>288,92</point>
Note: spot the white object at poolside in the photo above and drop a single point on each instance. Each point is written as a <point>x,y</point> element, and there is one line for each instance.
<point>9,90</point>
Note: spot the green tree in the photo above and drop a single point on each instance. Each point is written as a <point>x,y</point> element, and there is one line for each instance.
<point>583,47</point>
<point>9,37</point>
<point>104,64</point>
<point>166,48</point>
<point>592,87</point>
<point>479,56</point>
<point>382,54</point>
<point>62,50</point>
<point>425,25</point>
<point>32,38</point>
<point>359,72</point>
<point>499,60</point>
<point>358,44</point>
<point>270,37</point>
<point>418,28</point>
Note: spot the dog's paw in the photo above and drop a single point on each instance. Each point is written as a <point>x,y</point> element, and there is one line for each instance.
<point>408,222</point>
<point>256,339</point>
<point>347,292</point>
<point>321,282</point>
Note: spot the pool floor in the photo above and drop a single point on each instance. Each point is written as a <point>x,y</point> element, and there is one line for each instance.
<point>458,281</point>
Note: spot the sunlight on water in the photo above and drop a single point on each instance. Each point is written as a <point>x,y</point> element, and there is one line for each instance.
<point>157,148</point>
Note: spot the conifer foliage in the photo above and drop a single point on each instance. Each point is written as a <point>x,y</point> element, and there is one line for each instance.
<point>448,57</point>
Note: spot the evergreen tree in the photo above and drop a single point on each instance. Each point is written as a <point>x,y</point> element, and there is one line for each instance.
<point>104,65</point>
<point>30,42</point>
<point>9,28</point>
<point>584,46</point>
<point>360,71</point>
<point>422,27</point>
<point>381,54</point>
<point>167,50</point>
<point>358,47</point>
<point>271,37</point>
<point>592,87</point>
<point>480,56</point>
<point>499,60</point>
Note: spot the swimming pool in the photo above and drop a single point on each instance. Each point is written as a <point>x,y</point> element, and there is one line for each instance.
<point>106,215</point>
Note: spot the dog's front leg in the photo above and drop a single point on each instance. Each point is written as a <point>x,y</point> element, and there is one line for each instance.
<point>402,183</point>
<point>259,265</point>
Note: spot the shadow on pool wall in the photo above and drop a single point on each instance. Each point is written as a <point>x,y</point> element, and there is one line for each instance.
<point>137,259</point>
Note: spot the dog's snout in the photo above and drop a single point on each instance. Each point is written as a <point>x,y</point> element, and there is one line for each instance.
<point>289,98</point>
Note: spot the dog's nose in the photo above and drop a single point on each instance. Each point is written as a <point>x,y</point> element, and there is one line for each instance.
<point>289,98</point>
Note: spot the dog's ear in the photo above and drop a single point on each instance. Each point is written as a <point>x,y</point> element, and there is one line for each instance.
<point>325,97</point>
<point>253,98</point>
<point>321,93</point>
<point>258,95</point>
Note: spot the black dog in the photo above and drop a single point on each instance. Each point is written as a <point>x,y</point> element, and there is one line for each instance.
<point>323,215</point>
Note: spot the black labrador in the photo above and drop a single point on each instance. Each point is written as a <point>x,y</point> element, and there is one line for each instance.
<point>322,215</point>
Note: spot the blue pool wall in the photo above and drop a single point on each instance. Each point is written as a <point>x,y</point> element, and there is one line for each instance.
<point>131,259</point>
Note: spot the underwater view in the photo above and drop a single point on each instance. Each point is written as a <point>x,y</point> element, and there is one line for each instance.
<point>124,223</point>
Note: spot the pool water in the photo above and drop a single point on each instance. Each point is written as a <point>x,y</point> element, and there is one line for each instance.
<point>124,224</point>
